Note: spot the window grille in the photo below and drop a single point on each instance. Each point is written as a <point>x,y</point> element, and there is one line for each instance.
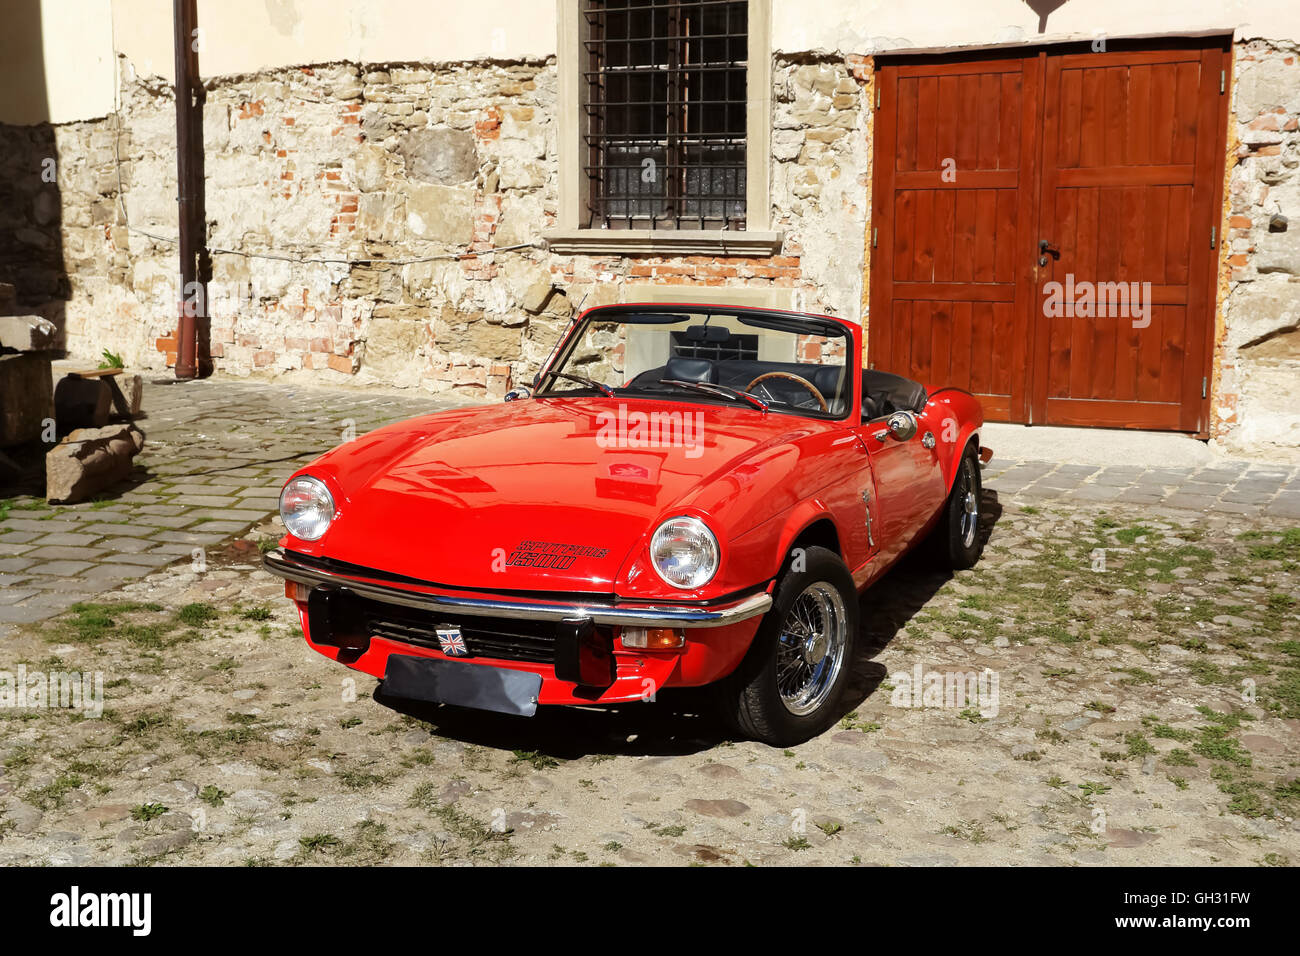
<point>665,112</point>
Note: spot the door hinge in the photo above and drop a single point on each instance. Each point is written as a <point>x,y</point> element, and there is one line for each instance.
<point>1223,81</point>
<point>1205,382</point>
<point>875,234</point>
<point>877,97</point>
<point>1214,233</point>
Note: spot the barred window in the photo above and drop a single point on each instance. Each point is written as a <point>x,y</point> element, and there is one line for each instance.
<point>665,111</point>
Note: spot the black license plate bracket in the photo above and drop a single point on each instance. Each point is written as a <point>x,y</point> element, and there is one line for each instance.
<point>461,684</point>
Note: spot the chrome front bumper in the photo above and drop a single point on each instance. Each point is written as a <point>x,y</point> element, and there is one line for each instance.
<point>283,564</point>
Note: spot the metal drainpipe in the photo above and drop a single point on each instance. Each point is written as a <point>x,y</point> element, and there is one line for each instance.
<point>192,309</point>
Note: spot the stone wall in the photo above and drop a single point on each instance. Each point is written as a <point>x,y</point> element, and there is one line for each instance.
<point>1256,403</point>
<point>31,218</point>
<point>339,196</point>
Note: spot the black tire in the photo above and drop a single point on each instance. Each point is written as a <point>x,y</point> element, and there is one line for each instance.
<point>750,700</point>
<point>956,541</point>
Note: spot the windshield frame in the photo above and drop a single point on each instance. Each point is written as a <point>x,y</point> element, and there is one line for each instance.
<point>671,314</point>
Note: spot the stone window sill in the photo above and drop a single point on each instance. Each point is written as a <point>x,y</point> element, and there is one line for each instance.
<point>663,242</point>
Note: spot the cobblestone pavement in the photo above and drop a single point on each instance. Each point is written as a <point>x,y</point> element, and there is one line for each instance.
<point>1147,712</point>
<point>1147,658</point>
<point>215,456</point>
<point>1228,485</point>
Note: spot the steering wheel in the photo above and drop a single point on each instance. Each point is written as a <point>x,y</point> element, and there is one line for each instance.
<point>797,380</point>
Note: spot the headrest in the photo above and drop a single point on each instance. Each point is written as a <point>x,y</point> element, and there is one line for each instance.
<point>827,380</point>
<point>690,370</point>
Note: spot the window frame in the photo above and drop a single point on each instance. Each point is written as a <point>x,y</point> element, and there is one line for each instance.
<point>757,238</point>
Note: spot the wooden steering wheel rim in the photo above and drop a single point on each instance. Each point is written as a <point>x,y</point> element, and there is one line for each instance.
<point>794,378</point>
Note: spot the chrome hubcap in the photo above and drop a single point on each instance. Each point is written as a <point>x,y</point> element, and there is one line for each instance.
<point>810,651</point>
<point>970,506</point>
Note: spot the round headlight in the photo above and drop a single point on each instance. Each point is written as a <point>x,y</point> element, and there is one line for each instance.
<point>684,553</point>
<point>307,508</point>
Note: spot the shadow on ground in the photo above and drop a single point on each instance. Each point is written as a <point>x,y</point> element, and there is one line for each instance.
<point>894,600</point>
<point>683,721</point>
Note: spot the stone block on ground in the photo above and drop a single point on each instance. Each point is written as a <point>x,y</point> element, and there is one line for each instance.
<point>132,387</point>
<point>82,403</point>
<point>89,460</point>
<point>26,397</point>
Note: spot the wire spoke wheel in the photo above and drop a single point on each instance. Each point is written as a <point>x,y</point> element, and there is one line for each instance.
<point>810,648</point>
<point>968,498</point>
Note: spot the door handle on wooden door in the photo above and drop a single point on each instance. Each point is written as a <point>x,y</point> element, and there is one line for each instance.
<point>1046,249</point>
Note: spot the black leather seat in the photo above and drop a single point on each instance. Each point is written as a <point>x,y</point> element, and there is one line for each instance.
<point>690,370</point>
<point>738,373</point>
<point>884,393</point>
<point>826,378</point>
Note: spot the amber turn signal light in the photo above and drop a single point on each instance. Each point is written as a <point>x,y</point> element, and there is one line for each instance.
<point>653,638</point>
<point>296,592</point>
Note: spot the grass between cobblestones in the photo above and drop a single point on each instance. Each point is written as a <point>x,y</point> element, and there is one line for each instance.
<point>1149,713</point>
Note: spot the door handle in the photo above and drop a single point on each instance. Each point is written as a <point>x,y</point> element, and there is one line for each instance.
<point>1046,249</point>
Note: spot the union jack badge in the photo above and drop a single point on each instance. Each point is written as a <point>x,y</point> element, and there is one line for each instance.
<point>453,644</point>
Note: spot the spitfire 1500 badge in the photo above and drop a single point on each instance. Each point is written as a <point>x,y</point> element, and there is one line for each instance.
<point>550,554</point>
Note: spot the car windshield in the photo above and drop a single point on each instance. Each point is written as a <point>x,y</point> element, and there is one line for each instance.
<point>788,364</point>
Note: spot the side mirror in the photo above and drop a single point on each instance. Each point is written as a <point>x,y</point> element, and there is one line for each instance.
<point>902,425</point>
<point>515,394</point>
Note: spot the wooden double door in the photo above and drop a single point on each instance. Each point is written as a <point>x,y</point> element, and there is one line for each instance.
<point>1044,229</point>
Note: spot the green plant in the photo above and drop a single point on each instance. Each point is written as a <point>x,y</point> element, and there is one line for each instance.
<point>196,615</point>
<point>318,841</point>
<point>111,360</point>
<point>147,811</point>
<point>536,758</point>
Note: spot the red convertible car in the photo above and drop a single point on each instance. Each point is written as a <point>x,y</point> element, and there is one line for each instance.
<point>690,495</point>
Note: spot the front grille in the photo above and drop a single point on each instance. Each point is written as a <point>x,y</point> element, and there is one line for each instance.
<point>484,636</point>
<point>496,637</point>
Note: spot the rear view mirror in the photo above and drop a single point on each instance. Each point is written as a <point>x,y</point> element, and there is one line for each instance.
<point>713,334</point>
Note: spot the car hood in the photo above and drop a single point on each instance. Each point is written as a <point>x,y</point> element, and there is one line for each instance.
<point>551,494</point>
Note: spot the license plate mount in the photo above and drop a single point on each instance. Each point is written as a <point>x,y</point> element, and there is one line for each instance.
<point>463,684</point>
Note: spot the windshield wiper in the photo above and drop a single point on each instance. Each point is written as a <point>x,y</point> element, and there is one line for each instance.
<point>722,390</point>
<point>605,389</point>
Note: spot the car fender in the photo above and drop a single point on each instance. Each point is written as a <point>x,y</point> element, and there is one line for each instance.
<point>958,417</point>
<point>765,548</point>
